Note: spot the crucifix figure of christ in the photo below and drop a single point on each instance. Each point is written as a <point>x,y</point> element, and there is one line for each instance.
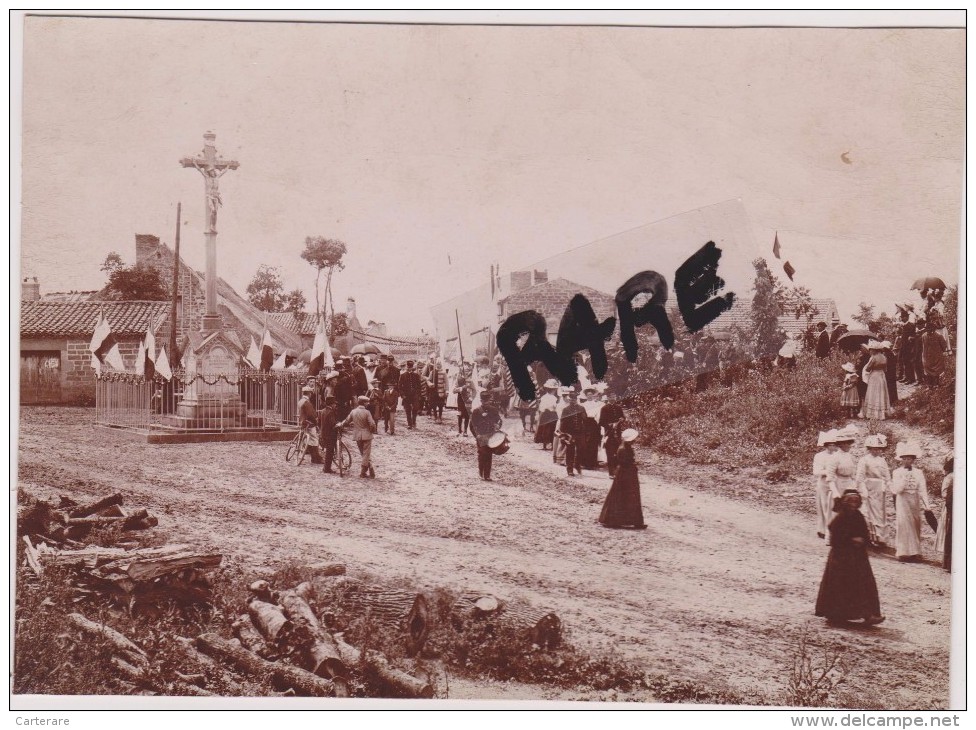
<point>212,167</point>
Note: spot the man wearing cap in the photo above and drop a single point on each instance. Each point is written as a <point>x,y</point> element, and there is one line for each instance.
<point>484,422</point>
<point>409,387</point>
<point>571,428</point>
<point>327,418</point>
<point>363,427</point>
<point>308,418</point>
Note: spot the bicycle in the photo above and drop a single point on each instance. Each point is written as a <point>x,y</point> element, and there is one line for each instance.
<point>298,448</point>
<point>343,456</point>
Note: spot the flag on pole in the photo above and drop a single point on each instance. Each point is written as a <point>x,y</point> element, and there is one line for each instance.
<point>149,367</point>
<point>788,268</point>
<point>162,364</point>
<point>114,358</point>
<point>101,342</point>
<point>253,356</point>
<point>321,355</point>
<point>776,245</point>
<point>279,364</point>
<point>141,359</point>
<point>267,350</point>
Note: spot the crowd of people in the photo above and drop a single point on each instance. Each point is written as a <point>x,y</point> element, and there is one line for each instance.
<point>851,515</point>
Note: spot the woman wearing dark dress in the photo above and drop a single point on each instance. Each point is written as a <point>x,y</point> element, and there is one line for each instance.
<point>891,373</point>
<point>862,359</point>
<point>848,591</point>
<point>622,507</point>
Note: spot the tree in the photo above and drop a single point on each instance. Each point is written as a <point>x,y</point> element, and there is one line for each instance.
<point>295,301</point>
<point>266,292</point>
<point>865,314</point>
<point>338,326</point>
<point>140,282</point>
<point>324,253</point>
<point>766,335</point>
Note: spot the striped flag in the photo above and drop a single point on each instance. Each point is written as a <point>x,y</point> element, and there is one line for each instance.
<point>149,367</point>
<point>776,245</point>
<point>253,356</point>
<point>141,359</point>
<point>321,355</point>
<point>114,358</point>
<point>788,268</point>
<point>267,351</point>
<point>280,363</point>
<point>101,342</point>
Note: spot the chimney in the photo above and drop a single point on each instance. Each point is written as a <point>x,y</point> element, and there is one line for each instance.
<point>31,290</point>
<point>146,245</point>
<point>540,277</point>
<point>521,280</point>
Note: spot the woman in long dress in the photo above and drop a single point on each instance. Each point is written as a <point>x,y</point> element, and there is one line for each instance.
<point>848,591</point>
<point>822,497</point>
<point>547,415</point>
<point>876,405</point>
<point>911,498</point>
<point>622,507</point>
<point>943,536</point>
<point>873,479</point>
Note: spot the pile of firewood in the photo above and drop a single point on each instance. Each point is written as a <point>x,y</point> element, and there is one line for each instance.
<point>68,522</point>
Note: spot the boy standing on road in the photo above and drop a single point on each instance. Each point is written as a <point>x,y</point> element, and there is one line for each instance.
<point>484,422</point>
<point>363,427</point>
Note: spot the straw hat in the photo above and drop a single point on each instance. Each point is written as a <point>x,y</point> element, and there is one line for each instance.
<point>876,441</point>
<point>551,384</point>
<point>907,449</point>
<point>875,345</point>
<point>844,435</point>
<point>848,367</point>
<point>629,434</point>
<point>823,438</point>
<point>886,345</point>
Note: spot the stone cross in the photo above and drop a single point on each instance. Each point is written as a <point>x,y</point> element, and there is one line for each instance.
<point>212,167</point>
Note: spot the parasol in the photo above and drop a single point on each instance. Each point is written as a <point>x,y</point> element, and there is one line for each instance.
<point>854,339</point>
<point>929,282</point>
<point>365,348</point>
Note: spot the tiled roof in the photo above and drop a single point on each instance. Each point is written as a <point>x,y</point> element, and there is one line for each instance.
<point>61,319</point>
<point>740,315</point>
<point>302,323</point>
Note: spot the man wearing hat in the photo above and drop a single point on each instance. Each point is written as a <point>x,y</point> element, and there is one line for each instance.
<point>484,422</point>
<point>345,387</point>
<point>308,418</point>
<point>363,427</point>
<point>359,379</point>
<point>327,418</point>
<point>822,346</point>
<point>571,428</point>
<point>409,387</point>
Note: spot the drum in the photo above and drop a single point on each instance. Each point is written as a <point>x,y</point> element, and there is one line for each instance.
<point>498,443</point>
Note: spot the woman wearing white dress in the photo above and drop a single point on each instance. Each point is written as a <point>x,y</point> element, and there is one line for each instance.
<point>840,466</point>
<point>911,498</point>
<point>823,500</point>
<point>873,480</point>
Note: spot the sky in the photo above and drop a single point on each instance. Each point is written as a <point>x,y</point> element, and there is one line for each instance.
<point>437,151</point>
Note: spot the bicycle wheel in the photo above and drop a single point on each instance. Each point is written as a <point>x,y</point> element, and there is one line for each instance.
<point>292,448</point>
<point>343,459</point>
<point>302,447</point>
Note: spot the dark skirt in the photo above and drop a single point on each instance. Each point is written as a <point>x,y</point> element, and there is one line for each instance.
<point>848,591</point>
<point>590,457</point>
<point>622,507</point>
<point>545,432</point>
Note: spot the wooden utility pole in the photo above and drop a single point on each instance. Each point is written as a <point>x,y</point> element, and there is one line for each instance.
<point>460,345</point>
<point>173,359</point>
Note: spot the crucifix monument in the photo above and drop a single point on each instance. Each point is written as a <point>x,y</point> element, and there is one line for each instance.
<point>212,167</point>
<point>211,399</point>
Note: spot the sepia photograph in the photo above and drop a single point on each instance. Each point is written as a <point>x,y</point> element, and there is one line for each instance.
<point>533,358</point>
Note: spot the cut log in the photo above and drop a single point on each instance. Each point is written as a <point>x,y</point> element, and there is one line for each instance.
<point>325,570</point>
<point>142,569</point>
<point>318,650</point>
<point>399,681</point>
<point>193,691</point>
<point>94,556</point>
<point>125,648</point>
<point>263,592</point>
<point>95,507</point>
<point>401,610</point>
<point>113,511</point>
<point>130,672</point>
<point>145,523</point>
<point>270,620</point>
<point>228,679</point>
<point>541,627</point>
<point>249,636</point>
<point>475,605</point>
<point>30,553</point>
<point>283,676</point>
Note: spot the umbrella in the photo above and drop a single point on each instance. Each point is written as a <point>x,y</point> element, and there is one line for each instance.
<point>365,348</point>
<point>854,339</point>
<point>929,282</point>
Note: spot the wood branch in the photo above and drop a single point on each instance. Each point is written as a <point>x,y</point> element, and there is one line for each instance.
<point>228,679</point>
<point>325,570</point>
<point>283,676</point>
<point>198,679</point>
<point>195,691</point>
<point>538,625</point>
<point>113,511</point>
<point>318,649</point>
<point>30,553</point>
<point>95,556</point>
<point>401,610</point>
<point>134,569</point>
<point>133,520</point>
<point>399,681</point>
<point>97,506</point>
<point>129,651</point>
<point>249,636</point>
<point>145,523</point>
<point>130,672</point>
<point>270,620</point>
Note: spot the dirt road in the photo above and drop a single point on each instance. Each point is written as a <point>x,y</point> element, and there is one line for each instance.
<point>715,591</point>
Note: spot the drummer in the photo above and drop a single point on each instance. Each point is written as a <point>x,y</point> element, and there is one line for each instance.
<point>485,420</point>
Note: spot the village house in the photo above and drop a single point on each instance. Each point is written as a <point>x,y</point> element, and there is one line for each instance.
<point>550,299</point>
